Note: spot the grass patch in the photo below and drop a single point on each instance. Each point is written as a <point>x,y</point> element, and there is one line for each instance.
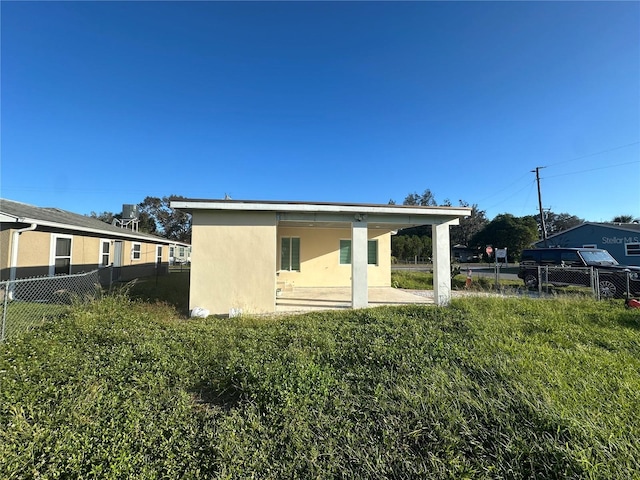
<point>424,281</point>
<point>412,280</point>
<point>485,388</point>
<point>172,289</point>
<point>21,316</point>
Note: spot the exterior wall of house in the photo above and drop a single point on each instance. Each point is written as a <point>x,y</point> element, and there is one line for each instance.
<point>131,267</point>
<point>35,254</point>
<point>84,253</point>
<point>615,240</point>
<point>233,262</point>
<point>320,258</point>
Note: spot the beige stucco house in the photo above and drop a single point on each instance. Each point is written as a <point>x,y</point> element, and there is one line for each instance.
<point>245,251</point>
<point>37,241</point>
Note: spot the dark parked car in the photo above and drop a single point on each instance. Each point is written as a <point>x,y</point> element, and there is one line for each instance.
<point>570,266</point>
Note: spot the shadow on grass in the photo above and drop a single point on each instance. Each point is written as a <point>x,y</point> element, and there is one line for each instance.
<point>206,395</point>
<point>172,289</point>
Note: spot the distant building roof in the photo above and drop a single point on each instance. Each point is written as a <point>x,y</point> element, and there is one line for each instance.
<point>628,227</point>
<point>632,227</point>
<point>12,211</point>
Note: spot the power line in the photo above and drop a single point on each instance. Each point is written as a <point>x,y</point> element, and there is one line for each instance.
<point>592,169</point>
<point>529,184</point>
<point>594,154</point>
<point>497,192</point>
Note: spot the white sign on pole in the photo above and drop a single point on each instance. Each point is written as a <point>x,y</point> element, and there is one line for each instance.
<point>501,256</point>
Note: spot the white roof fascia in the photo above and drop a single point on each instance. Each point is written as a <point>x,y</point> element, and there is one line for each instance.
<point>5,217</point>
<point>333,208</point>
<point>46,223</point>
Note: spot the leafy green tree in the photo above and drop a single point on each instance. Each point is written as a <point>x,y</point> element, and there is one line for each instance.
<point>168,222</point>
<point>508,231</point>
<point>462,233</point>
<point>425,200</point>
<point>558,222</point>
<point>407,247</point>
<point>107,217</point>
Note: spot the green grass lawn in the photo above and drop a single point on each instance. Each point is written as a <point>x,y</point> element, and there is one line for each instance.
<point>21,316</point>
<point>424,281</point>
<point>486,388</point>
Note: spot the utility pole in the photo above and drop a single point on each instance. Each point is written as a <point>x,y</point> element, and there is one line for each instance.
<point>542,222</point>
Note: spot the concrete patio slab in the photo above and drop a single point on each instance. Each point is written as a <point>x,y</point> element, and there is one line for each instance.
<point>303,299</point>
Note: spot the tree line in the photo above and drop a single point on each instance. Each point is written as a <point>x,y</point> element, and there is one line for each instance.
<point>476,232</point>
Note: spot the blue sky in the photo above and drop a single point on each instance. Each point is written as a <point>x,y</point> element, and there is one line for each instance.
<point>104,103</point>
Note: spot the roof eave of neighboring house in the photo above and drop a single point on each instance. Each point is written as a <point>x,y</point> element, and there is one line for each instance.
<point>7,218</point>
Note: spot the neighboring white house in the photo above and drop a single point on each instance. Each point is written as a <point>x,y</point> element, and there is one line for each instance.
<point>244,250</point>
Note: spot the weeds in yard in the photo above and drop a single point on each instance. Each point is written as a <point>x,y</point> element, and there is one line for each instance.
<point>485,388</point>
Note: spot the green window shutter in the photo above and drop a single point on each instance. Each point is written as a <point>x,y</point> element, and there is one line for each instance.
<point>372,252</point>
<point>295,254</point>
<point>285,254</point>
<point>289,253</point>
<point>345,252</point>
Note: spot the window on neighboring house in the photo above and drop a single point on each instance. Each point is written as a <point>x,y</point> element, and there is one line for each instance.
<point>345,252</point>
<point>136,251</point>
<point>181,252</point>
<point>62,255</point>
<point>105,246</point>
<point>290,253</point>
<point>158,255</point>
<point>632,248</point>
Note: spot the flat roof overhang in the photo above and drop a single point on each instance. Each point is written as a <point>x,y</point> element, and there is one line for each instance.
<point>334,215</point>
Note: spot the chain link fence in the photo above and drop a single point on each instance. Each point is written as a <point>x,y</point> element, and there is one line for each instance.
<point>28,302</point>
<point>592,281</point>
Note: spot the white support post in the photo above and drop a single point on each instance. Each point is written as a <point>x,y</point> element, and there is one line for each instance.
<point>359,282</point>
<point>441,264</point>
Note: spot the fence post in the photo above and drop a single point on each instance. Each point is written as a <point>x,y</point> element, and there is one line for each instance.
<point>627,276</point>
<point>4,310</point>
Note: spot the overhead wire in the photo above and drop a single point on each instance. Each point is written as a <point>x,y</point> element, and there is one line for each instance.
<point>592,169</point>
<point>594,154</point>
<point>532,183</point>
